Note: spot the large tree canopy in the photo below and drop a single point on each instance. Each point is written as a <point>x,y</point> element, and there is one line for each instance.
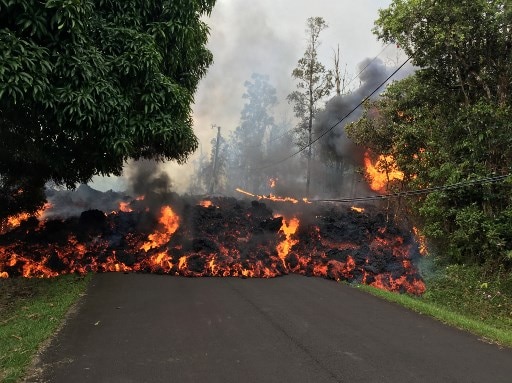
<point>86,85</point>
<point>451,121</point>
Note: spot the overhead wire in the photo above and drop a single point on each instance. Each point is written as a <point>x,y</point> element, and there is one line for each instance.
<point>286,133</point>
<point>458,185</point>
<point>339,122</point>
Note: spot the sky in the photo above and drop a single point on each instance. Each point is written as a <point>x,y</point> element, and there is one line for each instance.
<point>269,37</point>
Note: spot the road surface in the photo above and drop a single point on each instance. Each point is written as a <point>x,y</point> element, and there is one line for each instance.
<point>151,328</point>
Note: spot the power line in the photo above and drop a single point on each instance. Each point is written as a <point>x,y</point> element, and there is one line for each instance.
<point>350,82</point>
<point>340,121</point>
<point>367,65</point>
<point>416,192</point>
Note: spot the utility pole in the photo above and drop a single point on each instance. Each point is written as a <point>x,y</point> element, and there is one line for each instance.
<point>215,160</point>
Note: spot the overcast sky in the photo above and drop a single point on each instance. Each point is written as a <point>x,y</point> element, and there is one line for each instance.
<point>268,37</point>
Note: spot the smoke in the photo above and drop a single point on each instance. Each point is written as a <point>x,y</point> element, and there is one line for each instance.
<point>336,144</point>
<point>146,177</point>
<point>142,178</point>
<point>268,37</point>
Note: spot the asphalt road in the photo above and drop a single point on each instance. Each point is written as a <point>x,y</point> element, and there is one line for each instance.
<point>149,328</point>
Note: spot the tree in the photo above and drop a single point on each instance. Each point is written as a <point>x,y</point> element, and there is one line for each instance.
<point>248,140</point>
<point>451,121</point>
<point>87,85</point>
<point>314,83</point>
<point>465,45</point>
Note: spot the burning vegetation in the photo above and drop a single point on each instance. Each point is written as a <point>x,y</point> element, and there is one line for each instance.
<point>218,237</point>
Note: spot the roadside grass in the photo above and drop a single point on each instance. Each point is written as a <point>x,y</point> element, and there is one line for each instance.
<point>31,310</point>
<point>466,297</point>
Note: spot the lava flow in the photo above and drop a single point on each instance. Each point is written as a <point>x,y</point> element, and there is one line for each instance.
<point>218,237</point>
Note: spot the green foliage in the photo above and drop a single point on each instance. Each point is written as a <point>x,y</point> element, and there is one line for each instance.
<point>479,293</point>
<point>30,312</point>
<point>86,85</point>
<point>451,121</point>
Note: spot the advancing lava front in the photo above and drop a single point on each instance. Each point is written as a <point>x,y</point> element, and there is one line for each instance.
<point>218,237</point>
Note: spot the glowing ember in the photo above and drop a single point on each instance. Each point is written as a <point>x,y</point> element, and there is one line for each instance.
<point>422,241</point>
<point>288,229</point>
<point>382,172</point>
<point>357,209</point>
<point>170,221</point>
<point>237,238</point>
<point>15,221</point>
<point>125,207</point>
<point>206,203</point>
<point>271,197</point>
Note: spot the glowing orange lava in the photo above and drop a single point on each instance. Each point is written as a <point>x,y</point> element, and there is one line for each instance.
<point>271,197</point>
<point>125,207</point>
<point>288,229</point>
<point>206,203</point>
<point>170,221</point>
<point>422,241</point>
<point>382,172</point>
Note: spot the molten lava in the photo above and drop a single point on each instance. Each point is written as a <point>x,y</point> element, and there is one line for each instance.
<point>271,197</point>
<point>382,172</point>
<point>125,207</point>
<point>288,229</point>
<point>422,241</point>
<point>170,222</point>
<point>206,203</point>
<point>236,238</point>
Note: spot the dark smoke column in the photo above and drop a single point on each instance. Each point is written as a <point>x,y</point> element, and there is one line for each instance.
<point>314,83</point>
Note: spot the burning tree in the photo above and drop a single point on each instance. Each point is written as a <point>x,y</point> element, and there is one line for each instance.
<point>86,85</point>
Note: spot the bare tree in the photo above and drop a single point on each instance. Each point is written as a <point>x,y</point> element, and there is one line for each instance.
<point>314,83</point>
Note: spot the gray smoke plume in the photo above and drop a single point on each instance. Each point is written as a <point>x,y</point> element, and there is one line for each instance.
<point>336,145</point>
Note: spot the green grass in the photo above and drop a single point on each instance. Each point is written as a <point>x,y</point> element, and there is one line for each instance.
<point>466,297</point>
<point>31,310</point>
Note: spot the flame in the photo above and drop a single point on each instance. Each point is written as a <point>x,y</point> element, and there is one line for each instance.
<point>15,221</point>
<point>206,203</point>
<point>422,241</point>
<point>222,245</point>
<point>288,229</point>
<point>379,179</point>
<point>271,197</point>
<point>125,207</point>
<point>272,182</point>
<point>357,209</point>
<point>170,221</point>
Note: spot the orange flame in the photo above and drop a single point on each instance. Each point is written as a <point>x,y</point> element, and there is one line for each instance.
<point>125,207</point>
<point>422,241</point>
<point>206,203</point>
<point>272,182</point>
<point>170,221</point>
<point>271,197</point>
<point>357,209</point>
<point>379,178</point>
<point>288,229</point>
